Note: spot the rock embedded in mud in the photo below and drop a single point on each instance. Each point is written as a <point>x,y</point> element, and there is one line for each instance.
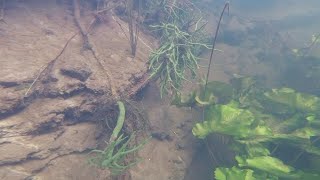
<point>161,136</point>
<point>80,73</point>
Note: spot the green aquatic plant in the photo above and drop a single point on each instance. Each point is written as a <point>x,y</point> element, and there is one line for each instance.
<point>271,130</point>
<point>292,100</point>
<point>233,173</point>
<point>177,56</point>
<point>269,165</point>
<point>221,90</point>
<point>240,90</point>
<point>230,120</point>
<point>120,121</point>
<point>114,155</point>
<point>263,124</point>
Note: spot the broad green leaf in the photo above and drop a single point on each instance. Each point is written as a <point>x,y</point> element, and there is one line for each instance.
<point>257,150</point>
<point>226,120</point>
<point>233,173</point>
<point>229,120</point>
<point>257,121</point>
<point>307,132</point>
<point>291,99</point>
<point>268,164</point>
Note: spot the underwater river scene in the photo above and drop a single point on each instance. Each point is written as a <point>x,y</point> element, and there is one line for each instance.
<point>159,90</point>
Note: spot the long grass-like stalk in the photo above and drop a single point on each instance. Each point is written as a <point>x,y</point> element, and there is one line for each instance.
<point>226,6</point>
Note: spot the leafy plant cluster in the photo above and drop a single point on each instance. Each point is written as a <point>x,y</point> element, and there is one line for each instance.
<point>275,133</point>
<point>113,157</point>
<point>181,40</point>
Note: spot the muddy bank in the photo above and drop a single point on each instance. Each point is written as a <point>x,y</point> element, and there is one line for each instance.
<point>54,91</point>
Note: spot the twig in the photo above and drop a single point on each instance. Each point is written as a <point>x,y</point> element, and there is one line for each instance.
<point>50,65</point>
<point>76,10</point>
<point>133,29</point>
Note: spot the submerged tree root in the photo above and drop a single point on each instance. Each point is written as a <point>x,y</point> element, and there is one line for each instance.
<point>49,66</point>
<point>88,45</point>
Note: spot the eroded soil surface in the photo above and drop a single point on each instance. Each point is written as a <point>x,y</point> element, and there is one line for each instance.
<point>53,90</point>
